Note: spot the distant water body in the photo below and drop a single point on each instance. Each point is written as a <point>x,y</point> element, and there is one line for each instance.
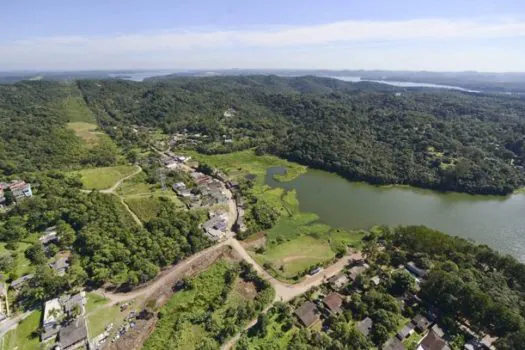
<point>140,76</point>
<point>404,83</point>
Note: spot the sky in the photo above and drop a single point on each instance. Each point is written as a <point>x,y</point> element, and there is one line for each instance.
<point>444,35</point>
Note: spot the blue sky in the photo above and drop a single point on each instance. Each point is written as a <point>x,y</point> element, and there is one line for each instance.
<point>334,34</point>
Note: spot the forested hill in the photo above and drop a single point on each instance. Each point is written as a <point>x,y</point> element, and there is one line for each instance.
<point>384,135</point>
<point>364,131</point>
<point>34,133</point>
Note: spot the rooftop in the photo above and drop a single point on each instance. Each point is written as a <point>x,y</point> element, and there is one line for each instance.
<point>307,314</point>
<point>433,342</point>
<point>16,283</point>
<point>365,326</point>
<point>393,344</point>
<point>73,333</point>
<point>333,302</point>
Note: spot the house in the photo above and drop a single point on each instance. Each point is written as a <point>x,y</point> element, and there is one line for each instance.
<point>184,193</point>
<point>17,284</point>
<point>416,271</point>
<point>393,344</point>
<point>339,281</point>
<point>433,342</point>
<point>308,314</point>
<point>405,331</point>
<point>356,271</point>
<point>179,186</point>
<point>20,189</point>
<point>365,326</point>
<point>50,235</point>
<point>421,323</point>
<point>72,302</point>
<point>74,335</point>
<point>60,266</point>
<point>333,303</point>
<point>51,321</point>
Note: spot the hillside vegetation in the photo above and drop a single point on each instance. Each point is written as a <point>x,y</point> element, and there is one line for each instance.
<point>443,140</point>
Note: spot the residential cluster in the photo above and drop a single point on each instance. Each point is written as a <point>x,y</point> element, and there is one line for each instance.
<point>337,292</point>
<point>64,324</point>
<point>13,192</point>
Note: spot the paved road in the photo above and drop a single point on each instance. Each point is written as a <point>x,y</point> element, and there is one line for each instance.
<point>11,323</point>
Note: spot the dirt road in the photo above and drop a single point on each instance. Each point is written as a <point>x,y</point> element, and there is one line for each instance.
<point>113,188</point>
<point>283,291</point>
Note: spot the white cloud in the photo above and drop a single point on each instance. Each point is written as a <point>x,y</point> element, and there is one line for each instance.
<point>254,47</point>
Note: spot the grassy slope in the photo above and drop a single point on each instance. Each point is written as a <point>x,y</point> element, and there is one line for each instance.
<point>103,178</point>
<point>206,287</point>
<point>238,164</point>
<point>290,242</point>
<point>23,265</point>
<point>98,316</point>
<point>144,199</point>
<point>23,337</point>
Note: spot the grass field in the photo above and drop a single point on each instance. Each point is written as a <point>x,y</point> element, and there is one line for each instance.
<point>75,108</point>
<point>295,256</point>
<point>145,199</point>
<point>98,315</point>
<point>87,132</point>
<point>23,265</point>
<point>238,164</point>
<point>24,336</point>
<point>103,178</point>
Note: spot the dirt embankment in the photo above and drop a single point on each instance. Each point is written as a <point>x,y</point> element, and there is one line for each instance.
<point>134,339</point>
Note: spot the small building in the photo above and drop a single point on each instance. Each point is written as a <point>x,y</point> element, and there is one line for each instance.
<point>20,189</point>
<point>365,326</point>
<point>308,314</point>
<point>72,302</point>
<point>405,331</point>
<point>18,283</point>
<point>416,271</point>
<point>60,266</point>
<point>51,320</point>
<point>333,303</point>
<point>184,193</point>
<point>356,271</point>
<point>50,235</point>
<point>433,342</point>
<point>74,335</point>
<point>421,323</point>
<point>393,344</point>
<point>339,281</point>
<point>179,186</point>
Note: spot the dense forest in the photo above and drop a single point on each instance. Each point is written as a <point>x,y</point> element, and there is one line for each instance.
<point>451,141</point>
<point>107,245</point>
<point>33,133</point>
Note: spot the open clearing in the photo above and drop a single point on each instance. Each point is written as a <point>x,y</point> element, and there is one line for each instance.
<point>99,314</point>
<point>87,132</point>
<point>144,199</point>
<point>293,257</point>
<point>22,264</point>
<point>239,164</point>
<point>24,336</point>
<point>103,178</point>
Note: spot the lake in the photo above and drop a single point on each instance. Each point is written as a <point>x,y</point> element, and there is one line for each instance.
<point>404,83</point>
<point>498,222</point>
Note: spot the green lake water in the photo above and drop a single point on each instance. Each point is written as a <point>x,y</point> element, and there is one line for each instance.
<point>498,222</point>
